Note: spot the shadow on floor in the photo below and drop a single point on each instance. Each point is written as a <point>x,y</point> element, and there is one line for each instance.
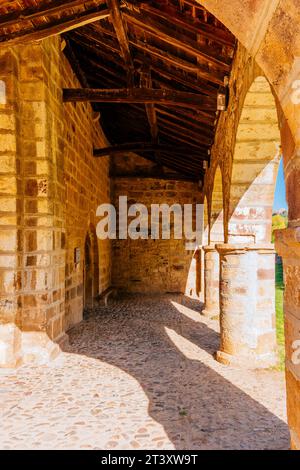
<point>165,344</point>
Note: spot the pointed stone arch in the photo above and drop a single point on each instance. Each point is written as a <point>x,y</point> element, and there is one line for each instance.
<point>217,209</point>
<point>255,164</point>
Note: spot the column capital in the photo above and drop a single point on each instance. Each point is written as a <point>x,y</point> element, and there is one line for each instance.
<point>207,248</point>
<point>238,249</point>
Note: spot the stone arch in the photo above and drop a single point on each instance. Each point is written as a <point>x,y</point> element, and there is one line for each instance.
<point>255,166</point>
<point>274,43</point>
<point>216,218</point>
<point>205,240</point>
<point>91,267</point>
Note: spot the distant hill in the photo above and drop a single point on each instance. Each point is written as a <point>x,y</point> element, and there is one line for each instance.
<point>283,212</point>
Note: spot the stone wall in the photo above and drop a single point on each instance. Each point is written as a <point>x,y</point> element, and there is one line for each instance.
<point>87,185</point>
<point>35,283</point>
<point>50,187</point>
<point>156,266</point>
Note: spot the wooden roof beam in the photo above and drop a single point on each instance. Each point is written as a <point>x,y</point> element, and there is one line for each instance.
<point>118,24</point>
<point>140,95</point>
<point>56,27</point>
<point>197,126</point>
<point>210,32</point>
<point>180,40</point>
<point>146,147</point>
<point>197,137</point>
<point>31,13</point>
<point>212,76</point>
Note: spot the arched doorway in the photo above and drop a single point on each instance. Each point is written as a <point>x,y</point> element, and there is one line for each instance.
<point>90,269</point>
<point>216,209</point>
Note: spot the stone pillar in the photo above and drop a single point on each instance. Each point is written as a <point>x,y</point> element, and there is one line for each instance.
<point>247,306</point>
<point>288,247</point>
<point>32,239</point>
<point>10,237</point>
<point>211,281</point>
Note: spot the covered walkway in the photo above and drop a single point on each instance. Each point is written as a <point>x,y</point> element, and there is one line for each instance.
<point>140,374</point>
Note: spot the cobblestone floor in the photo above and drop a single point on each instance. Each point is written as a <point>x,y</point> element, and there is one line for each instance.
<point>140,374</point>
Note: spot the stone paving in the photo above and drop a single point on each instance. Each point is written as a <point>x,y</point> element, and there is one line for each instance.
<point>140,374</point>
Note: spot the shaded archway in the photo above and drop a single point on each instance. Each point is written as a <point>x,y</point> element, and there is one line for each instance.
<point>195,279</point>
<point>91,268</point>
<point>255,166</point>
<point>216,209</point>
<point>206,219</point>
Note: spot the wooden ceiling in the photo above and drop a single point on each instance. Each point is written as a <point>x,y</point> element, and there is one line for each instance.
<point>153,69</point>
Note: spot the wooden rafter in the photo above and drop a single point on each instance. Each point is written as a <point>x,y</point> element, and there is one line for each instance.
<point>56,27</point>
<point>182,64</point>
<point>176,39</point>
<point>32,13</point>
<point>118,24</point>
<point>182,52</point>
<point>139,95</point>
<point>205,129</point>
<point>146,147</point>
<point>207,31</point>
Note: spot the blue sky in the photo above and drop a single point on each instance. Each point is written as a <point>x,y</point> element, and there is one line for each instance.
<point>280,199</point>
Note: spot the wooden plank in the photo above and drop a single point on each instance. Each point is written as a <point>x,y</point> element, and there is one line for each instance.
<point>212,76</point>
<point>54,28</point>
<point>38,11</point>
<point>189,82</point>
<point>174,38</point>
<point>195,125</point>
<point>172,135</point>
<point>117,21</point>
<point>145,147</point>
<point>210,32</point>
<point>198,116</point>
<point>139,95</point>
<point>197,137</point>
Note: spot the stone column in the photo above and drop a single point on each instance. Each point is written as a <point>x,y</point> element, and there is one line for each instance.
<point>288,247</point>
<point>247,306</point>
<point>10,202</point>
<point>211,281</point>
<point>32,194</point>
<point>43,211</point>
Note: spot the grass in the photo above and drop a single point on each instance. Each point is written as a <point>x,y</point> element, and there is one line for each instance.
<point>279,315</point>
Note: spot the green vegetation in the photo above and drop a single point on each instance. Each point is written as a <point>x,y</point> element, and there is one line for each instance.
<point>279,314</point>
<point>278,222</point>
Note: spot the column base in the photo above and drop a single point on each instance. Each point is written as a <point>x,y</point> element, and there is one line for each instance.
<point>10,346</point>
<point>38,348</point>
<point>264,361</point>
<point>23,347</point>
